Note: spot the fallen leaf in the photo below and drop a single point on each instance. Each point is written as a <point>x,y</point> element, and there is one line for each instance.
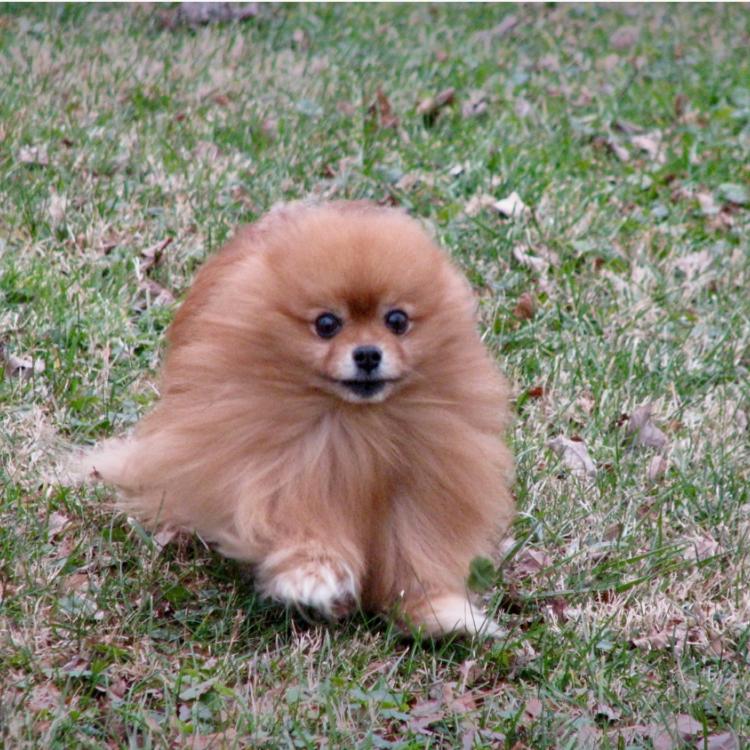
<point>430,107</point>
<point>525,307</point>
<point>43,698</point>
<point>425,713</point>
<point>683,727</point>
<point>33,155</point>
<point>651,143</point>
<point>476,105</point>
<point>574,455</point>
<point>532,710</point>
<point>618,150</point>
<point>151,257</point>
<point>657,468</point>
<point>512,207</point>
<point>470,671</point>
<point>19,367</point>
<point>701,548</point>
<point>604,710</point>
<point>56,524</point>
<point>529,561</point>
<point>382,106</point>
<point>163,538</point>
<point>656,640</point>
<point>153,295</point>
<point>646,433</point>
<point>723,741</point>
<point>477,203</point>
<point>537,264</point>
<point>624,37</point>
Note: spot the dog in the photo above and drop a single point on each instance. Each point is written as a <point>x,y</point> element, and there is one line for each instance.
<point>329,414</point>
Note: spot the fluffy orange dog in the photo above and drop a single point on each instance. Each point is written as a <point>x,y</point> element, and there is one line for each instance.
<point>329,414</point>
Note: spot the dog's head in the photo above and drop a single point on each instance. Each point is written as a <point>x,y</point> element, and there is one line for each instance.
<point>359,299</point>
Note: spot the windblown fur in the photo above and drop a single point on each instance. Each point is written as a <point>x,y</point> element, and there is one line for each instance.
<point>336,501</point>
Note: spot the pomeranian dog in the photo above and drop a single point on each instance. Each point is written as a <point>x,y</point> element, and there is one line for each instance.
<point>329,414</point>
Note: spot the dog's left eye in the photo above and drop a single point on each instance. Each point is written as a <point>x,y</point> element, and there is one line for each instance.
<point>397,321</point>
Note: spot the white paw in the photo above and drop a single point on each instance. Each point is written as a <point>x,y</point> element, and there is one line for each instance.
<point>454,614</point>
<point>328,588</point>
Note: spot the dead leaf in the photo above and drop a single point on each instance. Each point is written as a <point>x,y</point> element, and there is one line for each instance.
<point>430,107</point>
<point>651,144</point>
<point>608,712</point>
<point>683,727</point>
<point>43,697</point>
<point>511,207</point>
<point>153,295</point>
<point>525,307</point>
<point>152,256</point>
<point>618,150</point>
<point>163,538</point>
<point>382,107</point>
<point>529,561</point>
<point>657,468</point>
<point>470,671</point>
<point>574,455</point>
<point>477,203</point>
<point>476,105</point>
<point>532,710</point>
<point>530,261</point>
<point>723,741</point>
<point>624,37</point>
<point>33,155</point>
<point>19,367</point>
<point>56,524</point>
<point>646,433</point>
<point>701,548</point>
<point>656,640</point>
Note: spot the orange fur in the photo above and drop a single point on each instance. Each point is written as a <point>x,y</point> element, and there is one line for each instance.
<point>336,500</point>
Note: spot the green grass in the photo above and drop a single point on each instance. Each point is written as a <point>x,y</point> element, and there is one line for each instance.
<point>626,599</point>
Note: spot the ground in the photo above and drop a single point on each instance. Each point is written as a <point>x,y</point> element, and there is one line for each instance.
<point>613,290</point>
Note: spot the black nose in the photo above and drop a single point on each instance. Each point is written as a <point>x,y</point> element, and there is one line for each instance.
<point>367,358</point>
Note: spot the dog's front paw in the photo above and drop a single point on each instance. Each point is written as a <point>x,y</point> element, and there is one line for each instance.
<point>327,585</point>
<point>448,614</point>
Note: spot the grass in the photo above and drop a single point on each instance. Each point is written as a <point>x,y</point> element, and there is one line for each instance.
<point>625,595</point>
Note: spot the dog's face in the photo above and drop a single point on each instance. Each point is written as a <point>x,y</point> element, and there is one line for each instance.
<point>362,354</point>
<point>362,301</point>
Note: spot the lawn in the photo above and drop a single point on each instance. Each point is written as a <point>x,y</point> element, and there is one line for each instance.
<point>616,296</point>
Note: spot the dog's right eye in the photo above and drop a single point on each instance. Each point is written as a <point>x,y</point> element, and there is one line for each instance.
<point>327,325</point>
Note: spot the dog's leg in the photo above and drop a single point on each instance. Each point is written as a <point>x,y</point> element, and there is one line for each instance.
<point>310,575</point>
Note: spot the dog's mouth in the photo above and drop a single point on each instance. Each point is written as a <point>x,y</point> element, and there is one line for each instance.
<point>365,387</point>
